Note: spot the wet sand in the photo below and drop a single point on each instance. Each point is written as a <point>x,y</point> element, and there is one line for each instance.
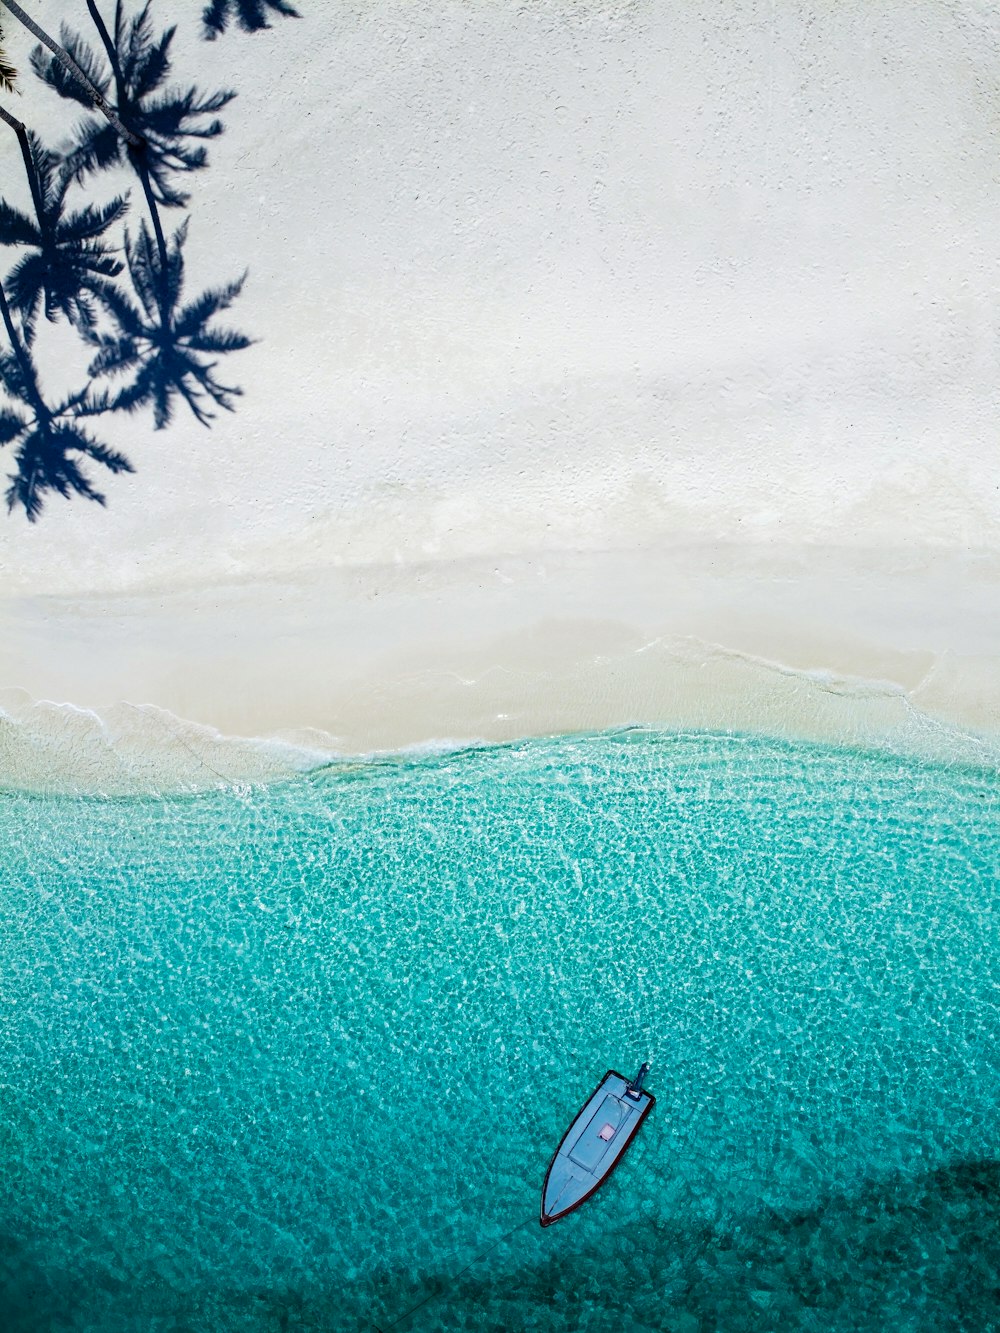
<point>870,647</point>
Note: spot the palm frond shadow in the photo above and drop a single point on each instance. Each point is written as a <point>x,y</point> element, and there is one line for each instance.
<point>172,123</point>
<point>163,345</point>
<point>8,74</point>
<point>49,442</point>
<point>149,347</point>
<point>69,262</point>
<point>250,15</point>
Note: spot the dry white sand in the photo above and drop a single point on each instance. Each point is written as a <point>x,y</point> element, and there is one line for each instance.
<point>628,363</point>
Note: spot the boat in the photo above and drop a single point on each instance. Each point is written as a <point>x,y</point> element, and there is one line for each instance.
<point>595,1143</point>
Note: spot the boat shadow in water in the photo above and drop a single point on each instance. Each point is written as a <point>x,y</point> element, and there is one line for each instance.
<point>912,1253</point>
<point>916,1252</point>
<point>39,1293</point>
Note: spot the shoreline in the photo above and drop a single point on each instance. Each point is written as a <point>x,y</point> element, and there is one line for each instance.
<point>577,396</point>
<point>257,680</point>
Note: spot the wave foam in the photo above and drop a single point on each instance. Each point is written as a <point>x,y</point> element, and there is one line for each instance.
<point>675,684</point>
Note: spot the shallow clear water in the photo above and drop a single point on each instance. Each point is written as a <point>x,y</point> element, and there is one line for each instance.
<point>292,1057</point>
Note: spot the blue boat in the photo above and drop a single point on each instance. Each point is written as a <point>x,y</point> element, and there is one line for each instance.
<point>595,1143</point>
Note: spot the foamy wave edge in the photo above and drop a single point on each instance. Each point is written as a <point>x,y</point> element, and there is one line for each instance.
<point>133,749</point>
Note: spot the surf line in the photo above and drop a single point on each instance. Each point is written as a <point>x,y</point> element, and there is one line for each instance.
<point>446,1286</point>
<point>229,782</point>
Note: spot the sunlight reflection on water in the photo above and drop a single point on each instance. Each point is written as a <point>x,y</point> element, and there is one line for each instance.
<point>289,1057</point>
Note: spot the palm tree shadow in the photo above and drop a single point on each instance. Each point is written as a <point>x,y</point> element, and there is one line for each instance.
<point>173,124</point>
<point>150,347</point>
<point>49,441</point>
<point>69,261</point>
<point>67,269</point>
<point>161,346</point>
<point>165,347</point>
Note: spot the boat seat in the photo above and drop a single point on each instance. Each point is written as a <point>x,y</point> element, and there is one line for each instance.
<point>597,1137</point>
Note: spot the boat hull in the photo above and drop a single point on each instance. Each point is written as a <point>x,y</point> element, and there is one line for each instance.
<point>593,1145</point>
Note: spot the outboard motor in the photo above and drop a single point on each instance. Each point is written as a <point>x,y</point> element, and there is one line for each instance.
<point>635,1087</point>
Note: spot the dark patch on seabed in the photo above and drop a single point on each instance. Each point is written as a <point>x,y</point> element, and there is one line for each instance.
<point>918,1254</point>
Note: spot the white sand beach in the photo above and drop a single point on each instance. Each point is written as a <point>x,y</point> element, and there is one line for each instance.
<point>614,364</point>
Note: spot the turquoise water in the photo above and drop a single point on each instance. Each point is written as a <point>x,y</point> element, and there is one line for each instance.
<point>290,1058</point>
